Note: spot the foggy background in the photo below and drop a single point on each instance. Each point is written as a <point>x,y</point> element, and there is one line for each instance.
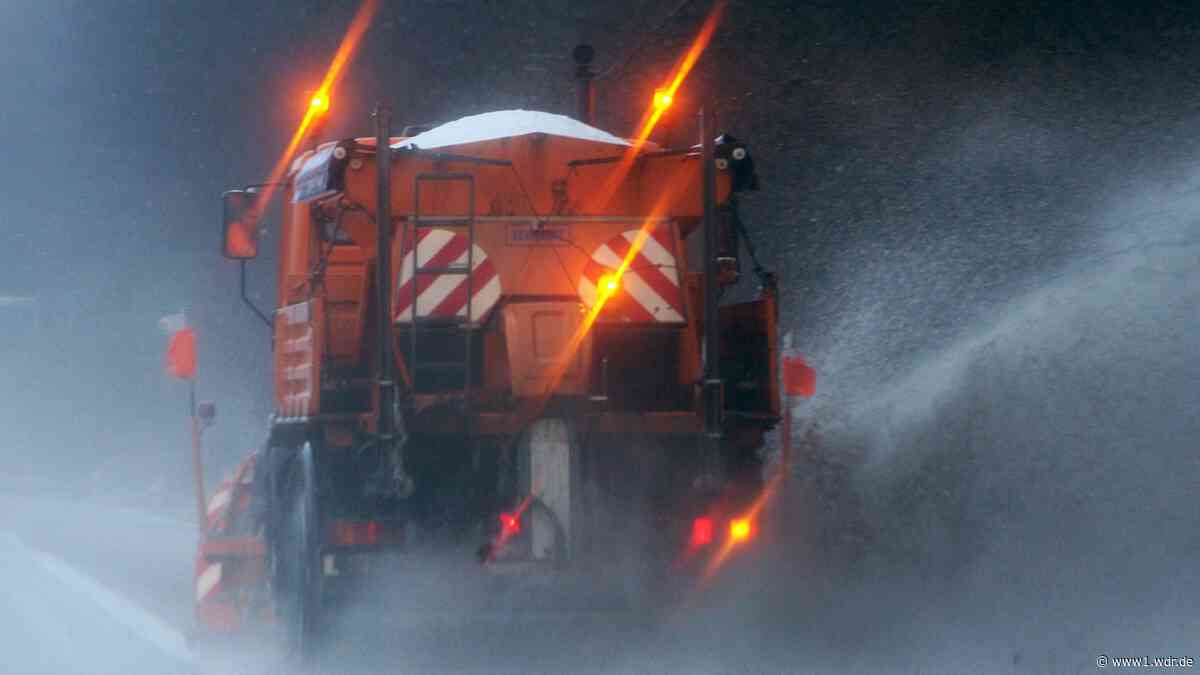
<point>983,214</point>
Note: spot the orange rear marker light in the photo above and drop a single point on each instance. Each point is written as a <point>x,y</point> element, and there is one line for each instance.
<point>739,530</point>
<point>609,283</point>
<point>319,103</point>
<point>663,99</point>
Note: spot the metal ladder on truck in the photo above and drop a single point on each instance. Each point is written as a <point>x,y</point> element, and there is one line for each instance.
<point>424,326</point>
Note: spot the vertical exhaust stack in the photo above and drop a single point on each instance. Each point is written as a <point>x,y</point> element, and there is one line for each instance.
<point>585,89</point>
<point>390,429</point>
<point>383,218</point>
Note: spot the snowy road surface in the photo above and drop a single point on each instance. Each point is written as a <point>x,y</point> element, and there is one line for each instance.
<point>59,619</point>
<point>91,589</point>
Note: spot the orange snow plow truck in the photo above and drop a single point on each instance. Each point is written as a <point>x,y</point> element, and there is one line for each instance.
<point>500,338</point>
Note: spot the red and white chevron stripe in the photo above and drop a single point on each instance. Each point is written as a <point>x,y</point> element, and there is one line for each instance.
<point>219,583</point>
<point>208,578</point>
<point>232,497</point>
<point>649,290</point>
<point>218,506</point>
<point>445,295</point>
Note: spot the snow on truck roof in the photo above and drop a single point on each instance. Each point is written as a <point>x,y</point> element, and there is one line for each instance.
<point>504,124</point>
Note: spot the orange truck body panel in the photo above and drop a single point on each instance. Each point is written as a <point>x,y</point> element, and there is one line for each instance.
<point>548,229</point>
<point>545,188</point>
<point>541,225</point>
<point>299,346</point>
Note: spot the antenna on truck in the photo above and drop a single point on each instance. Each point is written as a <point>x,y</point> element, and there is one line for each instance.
<point>585,89</point>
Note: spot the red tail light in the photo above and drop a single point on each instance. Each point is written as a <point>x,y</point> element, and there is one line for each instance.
<point>510,524</point>
<point>702,532</point>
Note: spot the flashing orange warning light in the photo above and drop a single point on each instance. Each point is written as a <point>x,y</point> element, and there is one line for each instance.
<point>319,103</point>
<point>609,284</point>
<point>347,48</point>
<point>662,99</point>
<point>739,530</point>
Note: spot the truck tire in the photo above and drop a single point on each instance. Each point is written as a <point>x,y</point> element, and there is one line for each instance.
<point>299,558</point>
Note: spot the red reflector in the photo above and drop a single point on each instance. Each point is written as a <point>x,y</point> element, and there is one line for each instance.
<point>799,379</point>
<point>353,533</point>
<point>702,532</point>
<point>510,524</point>
<point>181,354</point>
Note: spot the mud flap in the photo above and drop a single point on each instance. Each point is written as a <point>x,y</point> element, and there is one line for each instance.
<point>547,471</point>
<point>749,358</point>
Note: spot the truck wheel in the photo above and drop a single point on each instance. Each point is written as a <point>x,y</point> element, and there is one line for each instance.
<point>300,558</point>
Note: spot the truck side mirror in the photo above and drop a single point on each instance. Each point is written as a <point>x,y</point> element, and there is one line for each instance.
<point>240,215</point>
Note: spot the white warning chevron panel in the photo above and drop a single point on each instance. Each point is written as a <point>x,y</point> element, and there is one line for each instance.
<point>444,295</point>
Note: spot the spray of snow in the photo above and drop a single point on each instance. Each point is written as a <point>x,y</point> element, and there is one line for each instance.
<point>1031,482</point>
